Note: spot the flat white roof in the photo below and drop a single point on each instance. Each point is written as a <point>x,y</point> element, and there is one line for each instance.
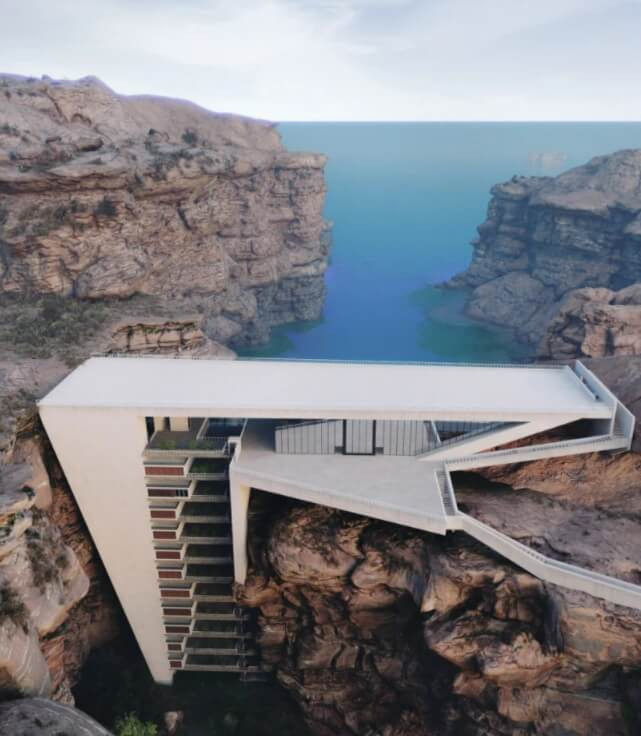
<point>306,389</point>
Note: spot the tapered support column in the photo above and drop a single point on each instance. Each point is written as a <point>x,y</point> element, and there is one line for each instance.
<point>239,497</point>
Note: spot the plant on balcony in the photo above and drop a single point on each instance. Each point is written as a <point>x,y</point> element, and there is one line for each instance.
<point>167,444</point>
<point>205,466</point>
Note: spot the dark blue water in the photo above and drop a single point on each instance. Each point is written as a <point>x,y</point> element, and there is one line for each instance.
<point>405,199</point>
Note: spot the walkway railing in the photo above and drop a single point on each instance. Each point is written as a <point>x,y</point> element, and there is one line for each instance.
<point>522,454</point>
<point>554,571</point>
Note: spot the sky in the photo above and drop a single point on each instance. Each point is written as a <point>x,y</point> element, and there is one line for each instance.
<point>288,60</point>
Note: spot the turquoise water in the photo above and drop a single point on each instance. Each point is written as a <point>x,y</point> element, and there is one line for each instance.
<point>405,199</point>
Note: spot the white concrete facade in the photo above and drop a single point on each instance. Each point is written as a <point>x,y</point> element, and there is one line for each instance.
<point>100,416</point>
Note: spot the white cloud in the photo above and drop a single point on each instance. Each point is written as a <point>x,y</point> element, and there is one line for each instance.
<point>344,59</point>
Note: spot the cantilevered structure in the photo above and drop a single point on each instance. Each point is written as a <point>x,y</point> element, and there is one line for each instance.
<point>162,455</point>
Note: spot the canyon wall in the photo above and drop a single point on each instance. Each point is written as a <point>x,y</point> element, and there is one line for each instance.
<point>127,225</point>
<point>56,602</point>
<point>109,197</point>
<point>545,238</point>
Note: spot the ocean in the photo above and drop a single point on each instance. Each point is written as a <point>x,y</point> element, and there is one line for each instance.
<point>405,200</point>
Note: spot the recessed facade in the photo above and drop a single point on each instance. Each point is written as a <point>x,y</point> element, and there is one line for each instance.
<point>162,455</point>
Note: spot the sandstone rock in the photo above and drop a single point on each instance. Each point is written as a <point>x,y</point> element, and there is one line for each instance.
<point>173,721</point>
<point>494,652</point>
<point>40,717</point>
<point>104,196</point>
<point>595,323</point>
<point>23,667</point>
<point>546,236</point>
<point>164,337</point>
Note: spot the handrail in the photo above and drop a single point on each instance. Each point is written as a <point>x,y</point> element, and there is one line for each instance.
<point>489,428</point>
<point>613,589</point>
<point>597,439</point>
<point>305,423</point>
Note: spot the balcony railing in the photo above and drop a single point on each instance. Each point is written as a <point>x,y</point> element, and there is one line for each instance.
<point>166,443</point>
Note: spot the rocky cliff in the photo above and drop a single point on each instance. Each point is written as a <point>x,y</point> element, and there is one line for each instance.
<point>127,225</point>
<point>546,237</point>
<point>595,322</point>
<point>55,601</point>
<point>108,197</point>
<point>380,629</point>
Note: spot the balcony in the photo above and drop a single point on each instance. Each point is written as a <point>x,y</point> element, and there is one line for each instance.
<point>208,469</point>
<point>213,554</point>
<point>204,438</point>
<point>209,533</point>
<point>213,592</point>
<point>224,646</point>
<point>212,513</point>
<point>211,490</point>
<point>222,611</point>
<point>209,573</point>
<point>169,444</point>
<point>221,630</point>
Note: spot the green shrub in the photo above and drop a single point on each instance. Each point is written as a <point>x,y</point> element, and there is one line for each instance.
<point>190,137</point>
<point>167,444</point>
<point>106,208</point>
<point>131,725</point>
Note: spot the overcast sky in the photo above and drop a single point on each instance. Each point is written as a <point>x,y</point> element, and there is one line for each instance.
<point>345,59</point>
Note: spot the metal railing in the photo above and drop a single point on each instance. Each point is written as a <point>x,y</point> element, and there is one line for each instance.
<point>526,450</point>
<point>554,571</point>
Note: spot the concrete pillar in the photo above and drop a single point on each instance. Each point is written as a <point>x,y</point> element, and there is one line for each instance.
<point>239,497</point>
<point>159,424</point>
<point>179,424</point>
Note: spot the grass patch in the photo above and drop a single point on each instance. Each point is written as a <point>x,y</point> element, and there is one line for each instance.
<point>49,325</point>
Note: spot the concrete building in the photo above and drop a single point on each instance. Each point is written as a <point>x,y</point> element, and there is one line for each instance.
<point>162,455</point>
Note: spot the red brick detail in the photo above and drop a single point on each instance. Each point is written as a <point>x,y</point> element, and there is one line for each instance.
<point>162,492</point>
<point>176,665</point>
<point>174,646</point>
<point>163,470</point>
<point>170,574</point>
<point>167,554</point>
<point>175,593</point>
<point>176,629</point>
<point>186,612</point>
<point>162,514</point>
<point>164,535</point>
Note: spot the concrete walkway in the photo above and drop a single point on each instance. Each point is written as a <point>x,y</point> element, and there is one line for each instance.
<point>418,492</point>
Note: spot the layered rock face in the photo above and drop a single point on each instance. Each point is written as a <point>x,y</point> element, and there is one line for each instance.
<point>545,237</point>
<point>595,323</point>
<point>380,629</point>
<point>104,196</point>
<point>55,601</point>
